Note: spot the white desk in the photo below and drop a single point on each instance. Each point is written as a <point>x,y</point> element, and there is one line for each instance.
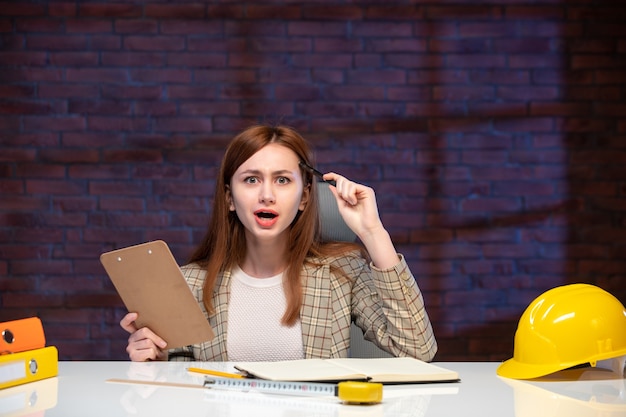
<point>80,390</point>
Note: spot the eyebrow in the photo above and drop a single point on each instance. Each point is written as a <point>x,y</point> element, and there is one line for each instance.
<point>274,173</point>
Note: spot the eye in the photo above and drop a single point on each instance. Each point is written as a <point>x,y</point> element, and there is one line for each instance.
<point>251,180</point>
<point>283,180</point>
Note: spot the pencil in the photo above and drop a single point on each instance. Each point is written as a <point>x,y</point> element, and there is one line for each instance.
<point>215,373</point>
<point>316,173</point>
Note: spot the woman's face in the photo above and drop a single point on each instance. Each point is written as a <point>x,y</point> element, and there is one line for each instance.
<point>267,191</point>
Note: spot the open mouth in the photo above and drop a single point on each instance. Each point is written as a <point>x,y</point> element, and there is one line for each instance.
<point>266,218</point>
<point>265,215</point>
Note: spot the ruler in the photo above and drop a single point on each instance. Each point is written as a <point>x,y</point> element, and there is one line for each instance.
<point>348,391</point>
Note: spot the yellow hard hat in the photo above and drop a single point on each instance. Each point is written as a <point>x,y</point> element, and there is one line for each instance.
<point>567,326</point>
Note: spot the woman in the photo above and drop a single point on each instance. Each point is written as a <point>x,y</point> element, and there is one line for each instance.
<point>270,288</point>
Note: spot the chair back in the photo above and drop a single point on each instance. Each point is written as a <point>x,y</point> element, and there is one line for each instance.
<point>332,224</point>
<point>334,228</point>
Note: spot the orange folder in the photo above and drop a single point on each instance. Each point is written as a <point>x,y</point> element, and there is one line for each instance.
<point>21,335</point>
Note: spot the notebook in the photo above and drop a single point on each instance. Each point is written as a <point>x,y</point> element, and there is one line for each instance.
<point>384,370</point>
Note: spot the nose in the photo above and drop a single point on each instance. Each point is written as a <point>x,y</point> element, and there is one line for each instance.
<point>267,194</point>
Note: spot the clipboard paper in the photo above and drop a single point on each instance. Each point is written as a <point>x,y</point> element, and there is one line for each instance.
<point>150,283</point>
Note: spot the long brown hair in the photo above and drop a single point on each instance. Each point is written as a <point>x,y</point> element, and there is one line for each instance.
<point>224,244</point>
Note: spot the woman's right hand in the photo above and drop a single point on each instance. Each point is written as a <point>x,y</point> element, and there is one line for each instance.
<point>143,344</point>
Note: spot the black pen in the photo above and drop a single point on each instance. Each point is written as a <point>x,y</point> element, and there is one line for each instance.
<point>317,173</point>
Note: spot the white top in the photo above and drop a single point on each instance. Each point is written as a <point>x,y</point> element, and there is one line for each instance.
<point>255,308</point>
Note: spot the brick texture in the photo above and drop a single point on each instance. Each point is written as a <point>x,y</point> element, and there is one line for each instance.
<point>493,133</point>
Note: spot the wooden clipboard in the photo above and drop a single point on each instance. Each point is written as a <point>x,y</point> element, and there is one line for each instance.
<point>150,283</point>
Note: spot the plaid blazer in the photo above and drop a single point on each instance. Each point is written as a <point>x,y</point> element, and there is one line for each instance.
<point>386,304</point>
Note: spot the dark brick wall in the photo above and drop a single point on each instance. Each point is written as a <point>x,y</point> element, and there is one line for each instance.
<point>494,134</point>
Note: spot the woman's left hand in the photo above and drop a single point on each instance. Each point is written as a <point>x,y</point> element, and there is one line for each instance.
<point>357,205</point>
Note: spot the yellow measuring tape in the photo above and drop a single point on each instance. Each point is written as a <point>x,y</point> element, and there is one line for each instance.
<point>360,392</point>
<point>352,392</point>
